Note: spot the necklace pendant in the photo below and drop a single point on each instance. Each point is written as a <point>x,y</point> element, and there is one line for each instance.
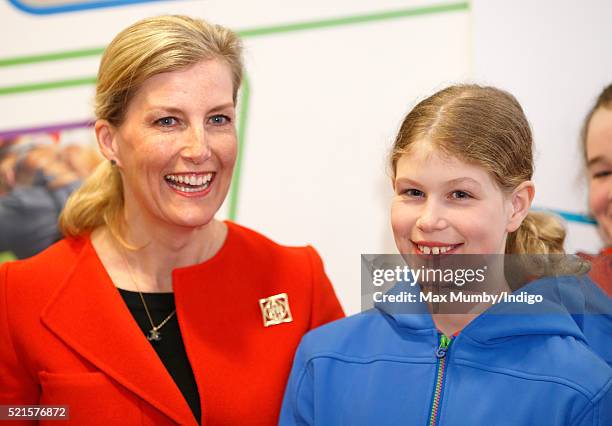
<point>154,335</point>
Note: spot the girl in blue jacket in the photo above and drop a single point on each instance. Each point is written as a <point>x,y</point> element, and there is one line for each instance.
<point>461,166</point>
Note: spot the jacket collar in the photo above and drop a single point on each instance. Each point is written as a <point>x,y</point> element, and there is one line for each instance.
<point>562,298</point>
<point>411,316</point>
<point>88,314</point>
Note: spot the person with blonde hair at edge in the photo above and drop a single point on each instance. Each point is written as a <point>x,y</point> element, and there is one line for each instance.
<point>596,142</point>
<point>461,167</point>
<point>151,311</point>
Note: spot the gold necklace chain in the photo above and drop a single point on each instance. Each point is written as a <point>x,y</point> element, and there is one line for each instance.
<point>154,334</point>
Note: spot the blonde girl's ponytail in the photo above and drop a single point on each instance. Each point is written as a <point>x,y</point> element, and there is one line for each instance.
<point>539,245</point>
<point>540,233</point>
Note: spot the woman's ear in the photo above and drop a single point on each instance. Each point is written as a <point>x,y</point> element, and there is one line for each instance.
<point>520,201</point>
<point>106,134</point>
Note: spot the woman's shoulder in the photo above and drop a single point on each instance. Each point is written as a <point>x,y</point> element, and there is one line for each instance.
<point>243,239</point>
<point>47,266</point>
<point>247,235</point>
<point>27,286</point>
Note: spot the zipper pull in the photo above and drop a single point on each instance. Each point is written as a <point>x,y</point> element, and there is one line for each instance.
<point>443,348</point>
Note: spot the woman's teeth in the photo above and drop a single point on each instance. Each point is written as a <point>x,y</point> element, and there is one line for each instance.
<point>434,250</point>
<point>189,183</point>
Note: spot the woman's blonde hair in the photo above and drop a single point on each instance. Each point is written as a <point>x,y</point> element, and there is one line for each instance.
<point>484,126</point>
<point>149,47</point>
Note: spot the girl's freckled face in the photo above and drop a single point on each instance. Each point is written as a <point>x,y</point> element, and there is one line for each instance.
<point>443,201</point>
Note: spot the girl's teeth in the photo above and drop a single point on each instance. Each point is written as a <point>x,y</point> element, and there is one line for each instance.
<point>199,180</point>
<point>434,250</point>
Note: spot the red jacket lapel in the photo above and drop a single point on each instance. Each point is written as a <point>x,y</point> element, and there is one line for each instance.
<point>88,314</point>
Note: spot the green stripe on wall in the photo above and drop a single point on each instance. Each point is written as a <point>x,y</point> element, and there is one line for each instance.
<point>254,32</point>
<point>47,85</point>
<point>47,57</point>
<point>356,19</point>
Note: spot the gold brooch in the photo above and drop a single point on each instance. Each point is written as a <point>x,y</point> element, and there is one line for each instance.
<point>275,309</point>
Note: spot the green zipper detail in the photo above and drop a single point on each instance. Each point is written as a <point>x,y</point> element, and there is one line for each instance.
<point>441,355</point>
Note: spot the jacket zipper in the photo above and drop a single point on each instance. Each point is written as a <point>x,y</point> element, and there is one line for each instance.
<point>441,355</point>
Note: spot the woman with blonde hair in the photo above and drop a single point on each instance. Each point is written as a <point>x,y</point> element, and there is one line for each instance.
<point>151,311</point>
<point>461,167</point>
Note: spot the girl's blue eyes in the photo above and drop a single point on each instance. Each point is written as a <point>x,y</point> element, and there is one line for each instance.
<point>413,193</point>
<point>456,195</point>
<point>459,195</point>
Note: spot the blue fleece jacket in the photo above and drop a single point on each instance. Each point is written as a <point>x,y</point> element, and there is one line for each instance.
<point>515,364</point>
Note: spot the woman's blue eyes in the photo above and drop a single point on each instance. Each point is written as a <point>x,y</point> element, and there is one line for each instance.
<point>167,121</point>
<point>219,120</point>
<point>215,120</point>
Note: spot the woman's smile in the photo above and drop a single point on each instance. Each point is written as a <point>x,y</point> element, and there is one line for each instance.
<point>191,184</point>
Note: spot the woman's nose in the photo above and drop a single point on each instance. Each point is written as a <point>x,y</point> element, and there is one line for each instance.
<point>197,147</point>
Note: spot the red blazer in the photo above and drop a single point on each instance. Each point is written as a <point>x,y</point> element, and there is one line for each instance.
<point>67,337</point>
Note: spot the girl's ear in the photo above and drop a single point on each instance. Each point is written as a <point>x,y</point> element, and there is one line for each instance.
<point>520,199</point>
<point>106,134</point>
